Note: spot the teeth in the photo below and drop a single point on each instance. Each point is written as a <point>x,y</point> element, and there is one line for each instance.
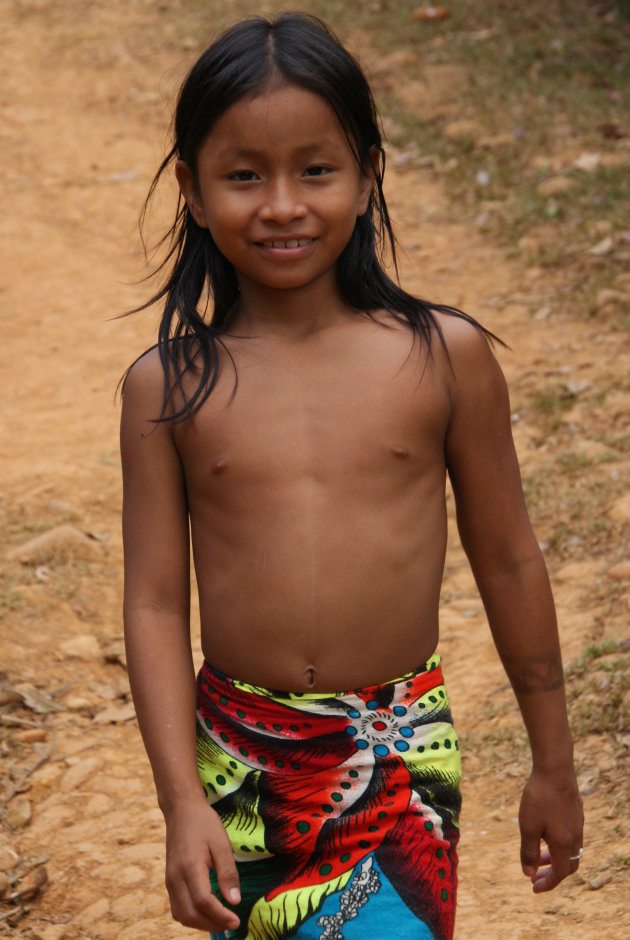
<point>292,243</point>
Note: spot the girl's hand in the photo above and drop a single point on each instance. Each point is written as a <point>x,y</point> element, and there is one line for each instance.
<point>196,841</point>
<point>551,809</point>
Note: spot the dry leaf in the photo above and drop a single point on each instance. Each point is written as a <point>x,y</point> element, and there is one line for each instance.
<point>31,884</point>
<point>115,715</point>
<point>601,248</point>
<point>613,129</point>
<point>431,14</point>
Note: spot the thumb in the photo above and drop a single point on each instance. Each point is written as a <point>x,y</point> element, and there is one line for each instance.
<point>530,853</point>
<point>227,875</point>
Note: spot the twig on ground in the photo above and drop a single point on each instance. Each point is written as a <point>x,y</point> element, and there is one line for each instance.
<point>43,758</point>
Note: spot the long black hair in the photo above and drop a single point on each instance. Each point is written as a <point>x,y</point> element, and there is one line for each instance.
<point>301,50</point>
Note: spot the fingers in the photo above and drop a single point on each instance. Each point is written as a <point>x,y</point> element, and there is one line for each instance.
<point>194,905</point>
<point>227,875</point>
<point>197,843</point>
<point>550,812</point>
<point>550,873</point>
<point>530,852</point>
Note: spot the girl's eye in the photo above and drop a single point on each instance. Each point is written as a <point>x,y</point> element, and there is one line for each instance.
<point>317,170</point>
<point>243,176</point>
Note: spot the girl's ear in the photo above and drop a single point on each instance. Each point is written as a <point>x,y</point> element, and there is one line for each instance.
<point>190,192</point>
<point>368,179</point>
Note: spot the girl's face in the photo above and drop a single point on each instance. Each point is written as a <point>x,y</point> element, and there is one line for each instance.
<point>278,187</point>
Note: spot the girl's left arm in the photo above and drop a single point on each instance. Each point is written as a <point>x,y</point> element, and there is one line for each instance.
<point>512,579</point>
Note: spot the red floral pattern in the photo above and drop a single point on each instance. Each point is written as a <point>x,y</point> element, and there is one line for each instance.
<point>320,782</point>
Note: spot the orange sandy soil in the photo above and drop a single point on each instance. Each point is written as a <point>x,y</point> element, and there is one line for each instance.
<point>86,93</point>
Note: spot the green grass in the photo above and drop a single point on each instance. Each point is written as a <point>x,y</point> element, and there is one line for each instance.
<point>596,684</point>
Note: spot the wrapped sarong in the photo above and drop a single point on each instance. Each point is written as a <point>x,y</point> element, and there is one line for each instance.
<point>342,808</point>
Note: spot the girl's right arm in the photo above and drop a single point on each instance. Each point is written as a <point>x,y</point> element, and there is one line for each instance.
<point>157,637</point>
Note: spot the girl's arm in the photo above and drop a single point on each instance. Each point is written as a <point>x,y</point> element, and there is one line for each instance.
<point>157,637</point>
<point>512,579</point>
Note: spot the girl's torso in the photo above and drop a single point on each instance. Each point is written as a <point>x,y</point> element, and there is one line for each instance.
<point>316,495</point>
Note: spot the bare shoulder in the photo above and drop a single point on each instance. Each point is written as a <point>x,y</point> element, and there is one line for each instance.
<point>464,339</point>
<point>468,352</point>
<point>143,393</point>
<point>145,374</point>
<point>143,385</point>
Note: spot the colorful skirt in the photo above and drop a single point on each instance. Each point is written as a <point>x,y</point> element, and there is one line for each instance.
<point>342,808</point>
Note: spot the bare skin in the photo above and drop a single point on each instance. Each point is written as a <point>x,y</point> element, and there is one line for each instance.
<point>316,502</point>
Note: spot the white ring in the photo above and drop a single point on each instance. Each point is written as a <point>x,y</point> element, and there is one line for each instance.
<point>575,858</point>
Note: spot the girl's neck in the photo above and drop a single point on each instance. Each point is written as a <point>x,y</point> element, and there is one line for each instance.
<point>289,314</point>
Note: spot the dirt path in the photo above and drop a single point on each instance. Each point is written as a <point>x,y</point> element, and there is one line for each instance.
<point>85,105</point>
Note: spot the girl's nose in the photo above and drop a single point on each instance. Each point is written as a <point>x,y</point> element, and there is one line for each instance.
<point>282,203</point>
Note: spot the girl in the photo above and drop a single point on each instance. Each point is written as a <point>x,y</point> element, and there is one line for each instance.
<point>298,415</point>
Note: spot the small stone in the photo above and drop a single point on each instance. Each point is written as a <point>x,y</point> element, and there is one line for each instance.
<point>620,512</point>
<point>84,647</point>
<point>130,875</point>
<point>555,185</point>
<point>620,571</point>
<point>31,735</point>
<point>61,507</point>
<point>588,162</point>
<point>598,882</point>
<point>19,814</point>
<point>496,142</point>
<point>575,388</point>
<point>607,297</point>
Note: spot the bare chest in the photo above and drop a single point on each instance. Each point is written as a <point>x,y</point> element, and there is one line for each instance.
<point>328,419</point>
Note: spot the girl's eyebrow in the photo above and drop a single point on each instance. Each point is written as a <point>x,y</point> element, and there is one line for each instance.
<point>247,153</point>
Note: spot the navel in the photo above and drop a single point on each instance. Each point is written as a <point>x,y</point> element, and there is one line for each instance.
<point>310,674</point>
<point>399,450</point>
<point>219,465</point>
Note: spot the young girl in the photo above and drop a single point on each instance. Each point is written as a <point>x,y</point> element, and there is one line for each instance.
<point>298,416</point>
